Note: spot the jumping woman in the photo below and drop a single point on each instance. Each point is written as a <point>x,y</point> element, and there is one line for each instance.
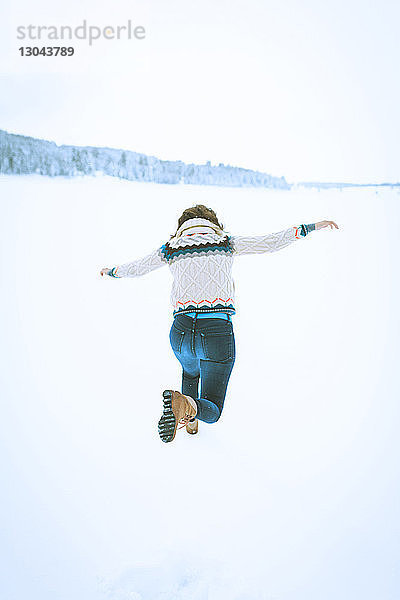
<point>200,256</point>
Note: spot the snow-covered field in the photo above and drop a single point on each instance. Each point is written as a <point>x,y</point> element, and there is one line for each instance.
<point>292,495</point>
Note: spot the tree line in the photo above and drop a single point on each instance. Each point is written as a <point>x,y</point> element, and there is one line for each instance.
<point>22,155</point>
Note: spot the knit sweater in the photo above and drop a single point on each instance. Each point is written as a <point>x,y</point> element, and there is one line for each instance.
<point>200,258</point>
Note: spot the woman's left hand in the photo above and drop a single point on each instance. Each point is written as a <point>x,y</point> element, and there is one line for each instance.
<point>104,271</point>
<point>322,224</point>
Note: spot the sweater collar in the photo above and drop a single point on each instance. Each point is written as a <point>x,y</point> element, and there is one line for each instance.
<point>198,225</point>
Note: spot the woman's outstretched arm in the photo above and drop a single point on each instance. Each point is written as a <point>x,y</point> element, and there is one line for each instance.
<point>139,267</point>
<point>272,242</point>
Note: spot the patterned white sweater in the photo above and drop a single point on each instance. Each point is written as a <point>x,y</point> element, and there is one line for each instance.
<point>200,258</point>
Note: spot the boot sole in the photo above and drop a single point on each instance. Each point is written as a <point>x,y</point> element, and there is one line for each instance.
<point>167,423</point>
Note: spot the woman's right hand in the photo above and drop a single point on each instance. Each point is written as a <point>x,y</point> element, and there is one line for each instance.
<point>322,224</point>
<point>104,271</point>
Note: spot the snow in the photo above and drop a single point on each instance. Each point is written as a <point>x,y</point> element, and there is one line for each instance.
<point>291,495</point>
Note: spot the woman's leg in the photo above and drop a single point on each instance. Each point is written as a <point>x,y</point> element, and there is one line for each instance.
<point>180,343</point>
<point>217,356</point>
<point>190,384</point>
<point>214,383</point>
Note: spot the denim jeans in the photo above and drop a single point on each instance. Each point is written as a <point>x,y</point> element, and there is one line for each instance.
<point>206,350</point>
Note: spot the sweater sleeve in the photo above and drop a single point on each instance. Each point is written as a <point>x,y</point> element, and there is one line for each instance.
<point>141,266</point>
<point>272,242</point>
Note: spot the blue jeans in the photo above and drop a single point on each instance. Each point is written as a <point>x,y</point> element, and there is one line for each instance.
<point>206,350</point>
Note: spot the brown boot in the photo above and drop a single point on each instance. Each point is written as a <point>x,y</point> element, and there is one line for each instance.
<point>193,426</point>
<point>177,408</point>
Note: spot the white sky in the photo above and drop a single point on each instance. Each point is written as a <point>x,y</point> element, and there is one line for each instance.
<point>305,89</point>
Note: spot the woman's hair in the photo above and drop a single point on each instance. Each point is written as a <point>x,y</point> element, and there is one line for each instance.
<point>199,212</point>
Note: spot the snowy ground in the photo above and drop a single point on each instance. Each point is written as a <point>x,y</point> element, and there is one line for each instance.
<point>293,495</point>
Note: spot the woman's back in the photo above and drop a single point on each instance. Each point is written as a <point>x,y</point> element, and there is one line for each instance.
<point>200,258</point>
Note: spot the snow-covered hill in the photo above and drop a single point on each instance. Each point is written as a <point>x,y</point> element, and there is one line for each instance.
<point>23,155</point>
